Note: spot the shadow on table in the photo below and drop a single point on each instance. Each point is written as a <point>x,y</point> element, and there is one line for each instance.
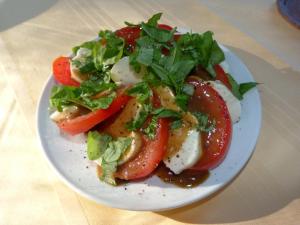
<point>14,12</point>
<point>229,207</point>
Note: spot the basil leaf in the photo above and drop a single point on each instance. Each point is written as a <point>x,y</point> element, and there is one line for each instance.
<point>140,118</point>
<point>188,89</point>
<point>66,95</point>
<point>238,90</point>
<point>107,152</point>
<point>157,34</point>
<point>96,144</point>
<point>166,113</point>
<point>150,130</point>
<point>154,19</point>
<point>244,87</point>
<point>182,101</point>
<point>145,56</point>
<point>203,122</point>
<point>176,124</point>
<point>141,91</point>
<point>98,103</point>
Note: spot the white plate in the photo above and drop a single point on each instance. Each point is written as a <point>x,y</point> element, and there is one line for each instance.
<point>67,155</point>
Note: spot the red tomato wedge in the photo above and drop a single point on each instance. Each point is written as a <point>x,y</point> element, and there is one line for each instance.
<point>221,76</point>
<point>215,143</point>
<point>86,122</point>
<point>149,157</point>
<point>62,73</point>
<point>129,34</point>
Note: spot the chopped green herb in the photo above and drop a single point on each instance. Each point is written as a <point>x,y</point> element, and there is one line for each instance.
<point>203,122</point>
<point>107,152</point>
<point>141,91</point>
<point>176,124</point>
<point>166,113</point>
<point>140,118</point>
<point>238,90</point>
<point>150,130</point>
<point>66,95</point>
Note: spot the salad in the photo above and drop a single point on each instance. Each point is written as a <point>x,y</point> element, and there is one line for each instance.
<point>147,97</point>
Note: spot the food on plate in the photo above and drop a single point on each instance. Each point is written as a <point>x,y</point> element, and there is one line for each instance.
<point>147,97</point>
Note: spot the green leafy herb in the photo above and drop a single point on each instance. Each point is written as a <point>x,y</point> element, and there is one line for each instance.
<point>244,87</point>
<point>182,101</point>
<point>141,91</point>
<point>203,122</point>
<point>66,95</point>
<point>150,130</point>
<point>107,152</point>
<point>140,118</point>
<point>188,89</point>
<point>96,144</point>
<point>176,124</point>
<point>166,113</point>
<point>154,19</point>
<point>238,90</point>
<point>157,34</point>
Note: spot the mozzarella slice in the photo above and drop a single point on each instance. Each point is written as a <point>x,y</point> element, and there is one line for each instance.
<point>67,113</point>
<point>123,73</point>
<point>189,153</point>
<point>80,56</point>
<point>233,104</point>
<point>133,149</point>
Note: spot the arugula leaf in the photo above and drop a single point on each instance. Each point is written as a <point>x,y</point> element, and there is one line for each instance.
<point>203,122</point>
<point>140,118</point>
<point>141,91</point>
<point>166,113</point>
<point>96,144</point>
<point>150,130</point>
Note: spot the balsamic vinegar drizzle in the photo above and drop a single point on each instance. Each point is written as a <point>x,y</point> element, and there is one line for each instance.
<point>186,179</point>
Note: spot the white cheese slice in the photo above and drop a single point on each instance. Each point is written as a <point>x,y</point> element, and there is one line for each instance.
<point>189,153</point>
<point>80,56</point>
<point>233,104</point>
<point>123,73</point>
<point>67,113</point>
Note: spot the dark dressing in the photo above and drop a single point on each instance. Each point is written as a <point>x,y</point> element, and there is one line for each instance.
<point>186,179</point>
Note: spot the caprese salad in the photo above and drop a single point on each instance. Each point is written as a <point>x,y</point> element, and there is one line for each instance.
<point>147,95</point>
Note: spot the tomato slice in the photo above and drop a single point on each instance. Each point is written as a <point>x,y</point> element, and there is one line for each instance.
<point>149,157</point>
<point>215,143</point>
<point>86,122</point>
<point>221,76</point>
<point>62,73</point>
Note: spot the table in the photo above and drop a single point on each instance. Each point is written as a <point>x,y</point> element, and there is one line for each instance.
<point>266,192</point>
